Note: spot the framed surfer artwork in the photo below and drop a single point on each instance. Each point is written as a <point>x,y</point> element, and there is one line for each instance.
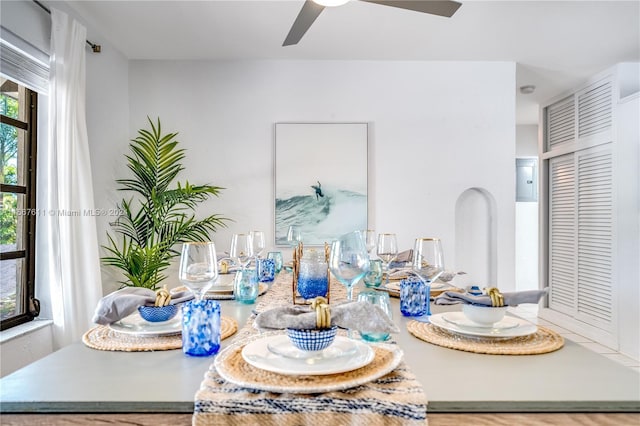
<point>320,180</point>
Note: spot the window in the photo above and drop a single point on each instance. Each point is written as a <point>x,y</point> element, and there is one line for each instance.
<point>18,141</point>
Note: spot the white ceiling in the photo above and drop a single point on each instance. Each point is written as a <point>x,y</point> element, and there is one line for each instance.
<point>556,44</point>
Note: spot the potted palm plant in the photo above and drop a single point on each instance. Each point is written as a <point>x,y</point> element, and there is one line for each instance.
<point>159,215</point>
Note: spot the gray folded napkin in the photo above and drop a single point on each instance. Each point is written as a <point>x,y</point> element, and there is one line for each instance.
<point>510,299</point>
<point>352,315</point>
<point>402,259</point>
<point>122,303</point>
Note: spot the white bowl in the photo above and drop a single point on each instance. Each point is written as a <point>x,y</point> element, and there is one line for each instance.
<point>484,316</point>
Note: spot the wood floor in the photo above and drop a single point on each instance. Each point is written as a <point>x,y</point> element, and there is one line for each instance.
<point>529,419</point>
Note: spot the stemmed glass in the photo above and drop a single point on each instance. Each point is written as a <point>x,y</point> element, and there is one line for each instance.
<point>294,235</point>
<point>369,240</point>
<point>348,260</point>
<point>198,267</point>
<point>257,238</point>
<point>241,250</point>
<point>428,259</point>
<point>387,250</point>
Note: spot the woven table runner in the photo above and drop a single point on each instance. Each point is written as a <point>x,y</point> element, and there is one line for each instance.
<point>104,338</point>
<point>541,342</point>
<point>396,398</point>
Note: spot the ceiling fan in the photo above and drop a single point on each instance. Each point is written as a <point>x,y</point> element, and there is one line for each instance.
<point>312,9</point>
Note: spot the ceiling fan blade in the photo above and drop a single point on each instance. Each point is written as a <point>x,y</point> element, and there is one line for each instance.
<point>306,17</point>
<point>434,7</point>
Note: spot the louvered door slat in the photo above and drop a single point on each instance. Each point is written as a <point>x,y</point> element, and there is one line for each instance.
<point>562,241</point>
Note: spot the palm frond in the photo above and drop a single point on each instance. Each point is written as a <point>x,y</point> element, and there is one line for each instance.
<point>164,215</point>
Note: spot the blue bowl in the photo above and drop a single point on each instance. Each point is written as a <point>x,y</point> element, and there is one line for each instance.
<point>158,313</point>
<point>312,340</point>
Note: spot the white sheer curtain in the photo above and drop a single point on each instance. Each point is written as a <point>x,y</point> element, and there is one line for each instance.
<point>66,192</point>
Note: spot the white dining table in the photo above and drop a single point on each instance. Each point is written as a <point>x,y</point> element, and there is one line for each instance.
<point>77,379</point>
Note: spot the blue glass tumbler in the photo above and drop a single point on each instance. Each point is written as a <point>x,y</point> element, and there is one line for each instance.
<point>201,327</point>
<point>266,270</point>
<point>415,297</point>
<point>245,286</point>
<point>277,259</point>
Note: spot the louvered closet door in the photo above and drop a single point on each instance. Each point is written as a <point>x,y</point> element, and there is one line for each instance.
<point>595,236</point>
<point>562,234</point>
<point>581,235</point>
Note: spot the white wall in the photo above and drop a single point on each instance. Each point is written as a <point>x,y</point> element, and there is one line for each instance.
<point>526,237</point>
<point>436,129</point>
<point>527,140</point>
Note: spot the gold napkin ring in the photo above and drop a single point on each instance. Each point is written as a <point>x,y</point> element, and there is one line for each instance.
<point>497,300</point>
<point>323,313</point>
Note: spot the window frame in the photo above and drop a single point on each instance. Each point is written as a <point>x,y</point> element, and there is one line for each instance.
<point>30,305</point>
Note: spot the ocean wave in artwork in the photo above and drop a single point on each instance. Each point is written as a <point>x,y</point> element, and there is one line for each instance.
<point>321,217</point>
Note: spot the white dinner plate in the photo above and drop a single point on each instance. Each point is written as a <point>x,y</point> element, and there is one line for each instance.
<point>523,328</point>
<point>395,286</point>
<point>135,325</point>
<point>224,284</point>
<point>257,354</point>
<point>460,319</point>
<point>283,347</point>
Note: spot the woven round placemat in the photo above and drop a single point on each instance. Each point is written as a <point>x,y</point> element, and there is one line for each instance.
<point>103,338</point>
<point>540,342</point>
<point>232,367</point>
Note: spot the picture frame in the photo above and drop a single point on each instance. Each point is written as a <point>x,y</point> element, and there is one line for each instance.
<point>321,178</point>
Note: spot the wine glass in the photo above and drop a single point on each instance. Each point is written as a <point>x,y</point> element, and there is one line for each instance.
<point>257,238</point>
<point>369,240</point>
<point>241,249</point>
<point>294,235</point>
<point>198,267</point>
<point>428,259</point>
<point>387,250</point>
<point>348,260</point>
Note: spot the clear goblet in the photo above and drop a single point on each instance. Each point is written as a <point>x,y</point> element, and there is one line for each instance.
<point>369,240</point>
<point>387,250</point>
<point>294,235</point>
<point>241,250</point>
<point>257,239</point>
<point>348,260</point>
<point>428,259</point>
<point>428,265</point>
<point>198,267</point>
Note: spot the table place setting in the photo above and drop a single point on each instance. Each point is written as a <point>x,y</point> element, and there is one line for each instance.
<point>121,327</point>
<point>141,319</point>
<point>294,364</point>
<point>482,326</point>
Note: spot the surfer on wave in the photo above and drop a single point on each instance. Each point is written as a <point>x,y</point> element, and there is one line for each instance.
<point>318,190</point>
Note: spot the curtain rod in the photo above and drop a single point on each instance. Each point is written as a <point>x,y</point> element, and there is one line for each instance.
<point>95,47</point>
